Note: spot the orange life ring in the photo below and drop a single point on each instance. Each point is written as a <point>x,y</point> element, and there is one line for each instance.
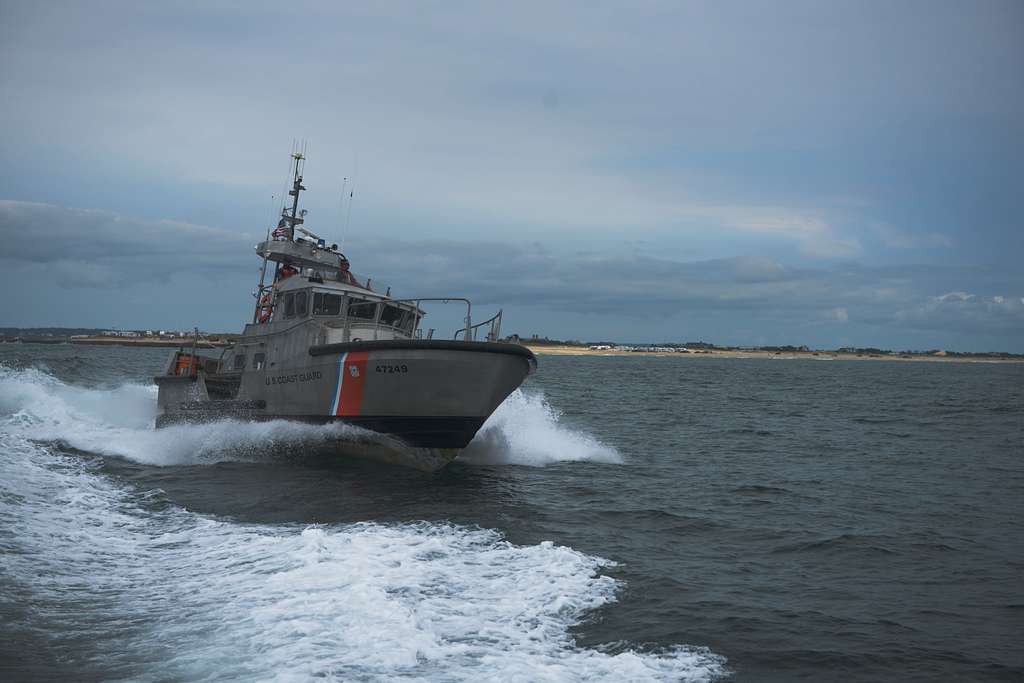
<point>265,307</point>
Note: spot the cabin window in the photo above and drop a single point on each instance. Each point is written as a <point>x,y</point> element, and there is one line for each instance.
<point>409,322</point>
<point>239,361</point>
<point>362,310</point>
<point>301,304</point>
<point>258,360</point>
<point>392,315</point>
<point>326,304</point>
<point>289,305</point>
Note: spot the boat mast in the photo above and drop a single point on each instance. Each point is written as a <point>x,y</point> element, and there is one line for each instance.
<point>289,217</point>
<point>292,217</point>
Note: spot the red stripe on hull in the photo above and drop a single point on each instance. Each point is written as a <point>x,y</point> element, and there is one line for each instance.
<point>352,381</point>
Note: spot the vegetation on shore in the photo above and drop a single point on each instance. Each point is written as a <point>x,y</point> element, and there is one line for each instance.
<point>84,335</point>
<point>701,346</point>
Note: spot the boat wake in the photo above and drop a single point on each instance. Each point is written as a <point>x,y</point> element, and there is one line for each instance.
<point>118,421</point>
<point>125,584</point>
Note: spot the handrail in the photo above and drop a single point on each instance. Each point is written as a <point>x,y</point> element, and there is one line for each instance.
<point>469,333</point>
<point>444,300</point>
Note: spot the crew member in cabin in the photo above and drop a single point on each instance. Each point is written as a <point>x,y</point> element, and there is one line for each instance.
<point>344,275</point>
<point>287,271</point>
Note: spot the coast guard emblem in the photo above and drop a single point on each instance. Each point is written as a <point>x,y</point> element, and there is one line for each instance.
<point>353,370</point>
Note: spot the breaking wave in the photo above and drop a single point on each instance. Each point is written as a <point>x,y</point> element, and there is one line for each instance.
<point>118,421</point>
<point>526,430</point>
<point>154,592</point>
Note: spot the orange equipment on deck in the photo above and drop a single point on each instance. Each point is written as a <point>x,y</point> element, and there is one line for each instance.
<point>186,364</point>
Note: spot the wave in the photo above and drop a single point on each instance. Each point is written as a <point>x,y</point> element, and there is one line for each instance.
<point>525,430</point>
<point>127,589</point>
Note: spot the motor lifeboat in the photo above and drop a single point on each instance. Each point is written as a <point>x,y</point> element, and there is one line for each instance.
<point>326,346</point>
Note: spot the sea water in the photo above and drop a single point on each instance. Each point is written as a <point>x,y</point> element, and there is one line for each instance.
<point>619,518</point>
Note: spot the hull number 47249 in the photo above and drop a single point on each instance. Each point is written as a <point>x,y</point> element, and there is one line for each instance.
<point>391,369</point>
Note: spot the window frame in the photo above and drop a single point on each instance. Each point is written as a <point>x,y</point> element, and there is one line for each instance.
<point>323,298</point>
<point>354,303</point>
<point>397,321</point>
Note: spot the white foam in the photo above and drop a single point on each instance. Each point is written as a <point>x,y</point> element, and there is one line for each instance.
<point>526,430</point>
<point>119,422</point>
<point>163,593</point>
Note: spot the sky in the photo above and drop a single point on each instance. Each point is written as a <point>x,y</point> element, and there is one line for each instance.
<point>748,173</point>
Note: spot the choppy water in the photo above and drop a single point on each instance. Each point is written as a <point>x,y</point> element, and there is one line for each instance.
<point>617,519</point>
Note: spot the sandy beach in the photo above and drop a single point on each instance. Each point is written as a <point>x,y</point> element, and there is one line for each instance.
<point>567,350</point>
<point>144,342</point>
<point>564,350</point>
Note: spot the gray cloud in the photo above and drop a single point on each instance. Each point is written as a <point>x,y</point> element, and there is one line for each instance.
<point>748,169</point>
<point>960,310</point>
<point>80,249</point>
<point>452,111</point>
<point>93,248</point>
<point>639,286</point>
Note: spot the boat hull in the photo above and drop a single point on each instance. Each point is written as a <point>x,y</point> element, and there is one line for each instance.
<point>415,402</point>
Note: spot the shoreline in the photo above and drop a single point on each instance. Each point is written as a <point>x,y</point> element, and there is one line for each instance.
<point>564,350</point>
<point>149,343</point>
<point>555,350</point>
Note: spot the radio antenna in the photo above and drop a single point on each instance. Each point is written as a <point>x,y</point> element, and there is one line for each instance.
<point>348,215</point>
<point>341,202</point>
<point>351,198</point>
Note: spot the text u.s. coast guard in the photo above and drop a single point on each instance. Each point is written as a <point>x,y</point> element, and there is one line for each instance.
<point>297,377</point>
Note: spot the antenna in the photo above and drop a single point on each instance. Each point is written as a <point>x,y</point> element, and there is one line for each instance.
<point>348,216</point>
<point>351,198</point>
<point>284,187</point>
<point>272,213</point>
<point>341,202</point>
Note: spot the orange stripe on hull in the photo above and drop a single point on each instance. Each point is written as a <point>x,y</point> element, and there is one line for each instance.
<point>352,380</point>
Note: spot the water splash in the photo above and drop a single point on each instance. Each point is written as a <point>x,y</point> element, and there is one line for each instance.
<point>128,589</point>
<point>525,430</point>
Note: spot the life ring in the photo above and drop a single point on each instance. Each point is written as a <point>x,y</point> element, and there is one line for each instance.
<point>265,307</point>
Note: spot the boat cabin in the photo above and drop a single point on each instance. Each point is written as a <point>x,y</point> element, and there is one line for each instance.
<point>346,312</point>
<point>313,285</point>
<point>308,297</point>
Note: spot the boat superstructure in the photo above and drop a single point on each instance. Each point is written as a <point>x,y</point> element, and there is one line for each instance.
<point>327,346</point>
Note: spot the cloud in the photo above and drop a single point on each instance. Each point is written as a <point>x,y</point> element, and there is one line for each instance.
<point>964,311</point>
<point>955,296</point>
<point>755,288</point>
<point>101,249</point>
<point>838,314</point>
<point>758,269</point>
<point>80,249</point>
<point>449,111</point>
<point>897,239</point>
<point>810,229</point>
<point>749,164</point>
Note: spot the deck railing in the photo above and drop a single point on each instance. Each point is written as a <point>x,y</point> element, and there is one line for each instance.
<point>488,330</point>
<point>492,327</point>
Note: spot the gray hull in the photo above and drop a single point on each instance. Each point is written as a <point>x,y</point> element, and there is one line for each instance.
<point>415,402</point>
